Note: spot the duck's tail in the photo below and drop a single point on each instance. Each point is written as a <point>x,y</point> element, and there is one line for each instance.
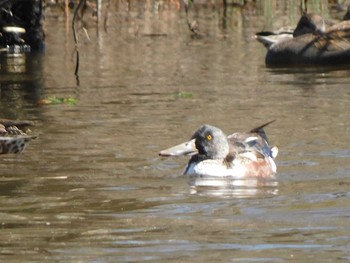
<point>260,130</point>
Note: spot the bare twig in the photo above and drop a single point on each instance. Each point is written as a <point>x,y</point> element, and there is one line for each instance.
<point>192,24</point>
<point>106,16</point>
<point>81,3</point>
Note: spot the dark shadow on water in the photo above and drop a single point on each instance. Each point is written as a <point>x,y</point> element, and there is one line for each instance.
<point>308,69</point>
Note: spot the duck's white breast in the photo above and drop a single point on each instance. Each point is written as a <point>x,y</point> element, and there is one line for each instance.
<point>216,168</point>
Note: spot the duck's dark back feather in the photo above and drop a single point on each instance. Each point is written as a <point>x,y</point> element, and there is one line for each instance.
<point>260,130</point>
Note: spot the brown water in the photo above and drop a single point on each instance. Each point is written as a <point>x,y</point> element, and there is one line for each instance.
<point>92,188</point>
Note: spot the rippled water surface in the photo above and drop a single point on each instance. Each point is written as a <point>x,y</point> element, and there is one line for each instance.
<point>92,188</point>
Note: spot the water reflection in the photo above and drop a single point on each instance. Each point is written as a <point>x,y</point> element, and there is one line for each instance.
<point>230,187</point>
<point>21,83</point>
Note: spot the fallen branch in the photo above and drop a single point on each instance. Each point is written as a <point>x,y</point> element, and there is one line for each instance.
<point>76,41</point>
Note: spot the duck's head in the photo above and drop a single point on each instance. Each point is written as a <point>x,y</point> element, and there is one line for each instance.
<point>211,142</point>
<point>208,142</point>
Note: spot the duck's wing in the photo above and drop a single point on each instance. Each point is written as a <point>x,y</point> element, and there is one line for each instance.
<point>336,39</point>
<point>248,145</point>
<point>341,26</point>
<point>14,127</point>
<point>20,124</point>
<point>253,145</point>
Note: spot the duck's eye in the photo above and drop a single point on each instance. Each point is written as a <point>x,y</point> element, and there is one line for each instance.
<point>209,137</point>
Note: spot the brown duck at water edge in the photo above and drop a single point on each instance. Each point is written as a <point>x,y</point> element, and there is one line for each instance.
<point>331,48</point>
<point>13,135</point>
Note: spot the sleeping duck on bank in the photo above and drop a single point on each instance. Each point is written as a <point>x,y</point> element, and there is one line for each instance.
<point>313,42</point>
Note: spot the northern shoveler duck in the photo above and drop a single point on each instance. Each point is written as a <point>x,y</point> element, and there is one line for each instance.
<point>13,136</point>
<point>239,155</point>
